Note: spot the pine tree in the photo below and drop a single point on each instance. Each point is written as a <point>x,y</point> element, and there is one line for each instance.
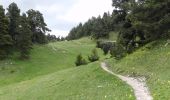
<point>153,17</point>
<point>13,15</point>
<point>80,60</point>
<point>38,26</point>
<point>24,38</point>
<point>5,39</point>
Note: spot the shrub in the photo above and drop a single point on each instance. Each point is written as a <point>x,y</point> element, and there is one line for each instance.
<point>99,44</point>
<point>94,56</point>
<point>107,47</point>
<point>80,60</point>
<point>118,51</point>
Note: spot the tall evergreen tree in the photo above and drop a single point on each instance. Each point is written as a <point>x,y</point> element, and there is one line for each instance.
<point>107,22</point>
<point>145,16</point>
<point>127,33</point>
<point>5,38</point>
<point>24,38</point>
<point>38,26</point>
<point>98,28</point>
<point>13,15</point>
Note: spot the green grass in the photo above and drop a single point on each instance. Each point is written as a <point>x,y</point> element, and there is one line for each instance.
<point>81,83</point>
<point>51,74</point>
<point>45,59</point>
<point>153,62</point>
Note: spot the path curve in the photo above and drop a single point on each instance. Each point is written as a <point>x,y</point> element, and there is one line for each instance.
<point>138,84</point>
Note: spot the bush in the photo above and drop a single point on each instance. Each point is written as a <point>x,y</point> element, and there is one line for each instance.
<point>107,47</point>
<point>80,60</point>
<point>94,56</point>
<point>99,44</point>
<point>118,51</point>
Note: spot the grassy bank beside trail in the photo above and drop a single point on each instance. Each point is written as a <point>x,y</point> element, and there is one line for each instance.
<point>151,61</point>
<point>87,82</point>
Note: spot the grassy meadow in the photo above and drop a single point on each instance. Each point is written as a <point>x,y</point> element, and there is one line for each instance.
<point>44,59</point>
<point>51,74</point>
<point>88,82</point>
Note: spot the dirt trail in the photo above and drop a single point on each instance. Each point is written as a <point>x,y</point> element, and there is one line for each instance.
<point>138,84</point>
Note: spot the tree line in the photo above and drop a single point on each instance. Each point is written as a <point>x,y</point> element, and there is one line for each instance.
<point>53,38</point>
<point>18,32</point>
<point>137,22</point>
<point>96,27</point>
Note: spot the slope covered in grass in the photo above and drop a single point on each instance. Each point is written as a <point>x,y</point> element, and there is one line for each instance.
<point>51,74</point>
<point>151,61</point>
<point>87,82</point>
<point>45,59</point>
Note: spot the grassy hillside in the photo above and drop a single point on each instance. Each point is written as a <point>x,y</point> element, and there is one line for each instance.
<point>51,74</point>
<point>151,61</point>
<point>44,59</point>
<point>88,82</point>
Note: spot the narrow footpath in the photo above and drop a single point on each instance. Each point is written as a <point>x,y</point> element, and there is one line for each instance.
<point>138,84</point>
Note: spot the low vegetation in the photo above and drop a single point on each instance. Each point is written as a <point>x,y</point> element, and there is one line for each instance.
<point>94,56</point>
<point>80,60</point>
<point>86,83</point>
<point>151,62</point>
<point>118,51</point>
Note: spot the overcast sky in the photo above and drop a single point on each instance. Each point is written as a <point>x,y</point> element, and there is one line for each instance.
<point>62,15</point>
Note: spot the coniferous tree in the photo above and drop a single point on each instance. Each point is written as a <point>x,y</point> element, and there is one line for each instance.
<point>145,17</point>
<point>13,15</point>
<point>80,60</point>
<point>5,38</point>
<point>96,27</point>
<point>52,38</point>
<point>107,22</point>
<point>38,26</point>
<point>24,38</point>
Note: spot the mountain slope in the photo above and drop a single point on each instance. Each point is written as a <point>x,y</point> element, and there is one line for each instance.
<point>151,61</point>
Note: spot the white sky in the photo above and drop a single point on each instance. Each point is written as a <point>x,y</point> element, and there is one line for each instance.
<point>62,15</point>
